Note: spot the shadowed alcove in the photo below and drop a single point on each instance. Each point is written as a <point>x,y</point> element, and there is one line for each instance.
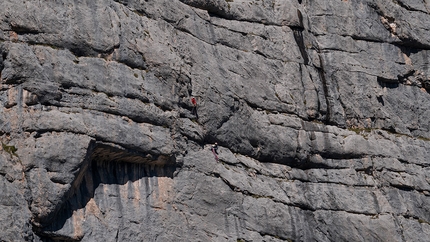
<point>114,186</point>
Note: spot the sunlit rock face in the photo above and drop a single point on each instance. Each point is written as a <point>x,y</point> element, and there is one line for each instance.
<point>320,109</point>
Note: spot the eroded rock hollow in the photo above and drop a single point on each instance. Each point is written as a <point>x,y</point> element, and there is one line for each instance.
<point>320,109</point>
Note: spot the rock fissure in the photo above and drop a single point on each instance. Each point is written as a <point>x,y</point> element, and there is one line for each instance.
<point>409,8</point>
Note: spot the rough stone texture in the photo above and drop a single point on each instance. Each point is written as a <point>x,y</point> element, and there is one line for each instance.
<point>321,110</point>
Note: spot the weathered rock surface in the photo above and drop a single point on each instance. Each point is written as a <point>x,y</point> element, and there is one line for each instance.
<point>321,110</point>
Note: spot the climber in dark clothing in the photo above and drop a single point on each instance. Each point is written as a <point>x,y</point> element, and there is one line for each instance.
<point>215,150</point>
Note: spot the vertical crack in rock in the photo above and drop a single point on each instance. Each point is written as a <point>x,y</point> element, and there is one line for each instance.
<point>110,178</point>
<point>298,37</point>
<point>326,92</point>
<point>3,55</point>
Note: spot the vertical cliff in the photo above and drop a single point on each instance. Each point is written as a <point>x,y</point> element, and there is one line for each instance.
<point>321,111</point>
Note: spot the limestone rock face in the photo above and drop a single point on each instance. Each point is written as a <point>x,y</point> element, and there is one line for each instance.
<point>321,112</point>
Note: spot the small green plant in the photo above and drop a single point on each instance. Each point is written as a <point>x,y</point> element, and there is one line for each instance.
<point>423,138</point>
<point>359,130</point>
<point>422,221</point>
<point>11,149</point>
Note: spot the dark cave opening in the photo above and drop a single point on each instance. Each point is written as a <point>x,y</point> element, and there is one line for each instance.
<point>388,83</point>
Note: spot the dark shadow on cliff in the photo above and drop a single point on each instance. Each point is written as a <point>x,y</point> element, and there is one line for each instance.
<point>388,83</point>
<point>104,165</point>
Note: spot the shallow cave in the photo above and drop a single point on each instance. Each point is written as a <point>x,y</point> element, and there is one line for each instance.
<point>388,83</point>
<point>113,187</point>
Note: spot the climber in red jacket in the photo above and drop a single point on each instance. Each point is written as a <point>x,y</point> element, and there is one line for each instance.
<point>194,111</point>
<point>193,101</point>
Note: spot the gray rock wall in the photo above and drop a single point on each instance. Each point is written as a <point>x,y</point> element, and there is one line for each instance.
<point>321,110</point>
